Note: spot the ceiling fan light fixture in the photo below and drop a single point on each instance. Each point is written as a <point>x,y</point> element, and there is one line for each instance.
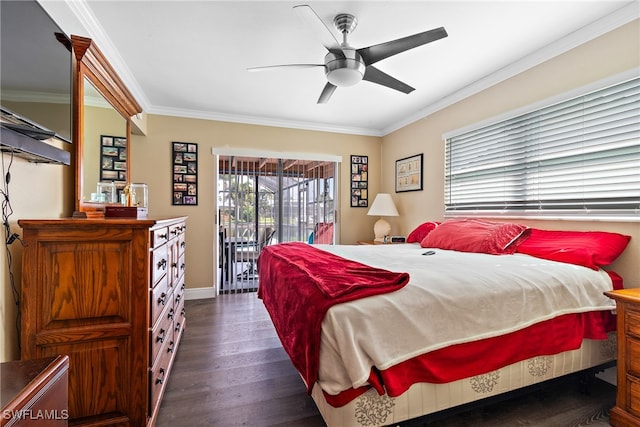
<point>345,71</point>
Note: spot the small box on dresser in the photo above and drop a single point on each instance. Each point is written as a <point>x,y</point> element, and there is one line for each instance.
<point>626,413</point>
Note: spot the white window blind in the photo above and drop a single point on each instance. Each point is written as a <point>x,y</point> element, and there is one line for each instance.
<point>581,155</point>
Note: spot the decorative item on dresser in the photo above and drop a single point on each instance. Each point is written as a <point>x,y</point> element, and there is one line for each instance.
<point>626,413</point>
<point>109,293</point>
<point>35,392</point>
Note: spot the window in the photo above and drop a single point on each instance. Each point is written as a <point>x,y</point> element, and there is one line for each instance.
<point>577,157</point>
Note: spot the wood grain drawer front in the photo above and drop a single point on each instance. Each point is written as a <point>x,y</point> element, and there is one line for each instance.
<point>633,387</point>
<point>159,264</point>
<point>159,236</point>
<point>161,296</point>
<point>159,376</point>
<point>162,333</point>
<point>633,357</point>
<point>176,230</point>
<point>180,316</point>
<point>632,321</point>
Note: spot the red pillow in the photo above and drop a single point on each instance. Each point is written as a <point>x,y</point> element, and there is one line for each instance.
<point>474,235</point>
<point>421,231</point>
<point>592,249</point>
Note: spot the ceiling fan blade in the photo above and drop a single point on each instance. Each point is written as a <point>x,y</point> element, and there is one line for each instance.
<point>375,53</point>
<point>374,75</point>
<point>321,31</point>
<point>285,66</point>
<point>328,90</point>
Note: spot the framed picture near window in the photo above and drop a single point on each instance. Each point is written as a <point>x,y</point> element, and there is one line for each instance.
<point>185,173</point>
<point>409,174</point>
<point>359,181</point>
<point>113,159</point>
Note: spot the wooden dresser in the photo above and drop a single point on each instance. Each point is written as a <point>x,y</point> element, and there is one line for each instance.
<point>626,413</point>
<point>109,293</point>
<point>34,392</point>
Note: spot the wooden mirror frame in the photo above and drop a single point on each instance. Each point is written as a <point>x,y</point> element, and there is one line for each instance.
<point>90,63</point>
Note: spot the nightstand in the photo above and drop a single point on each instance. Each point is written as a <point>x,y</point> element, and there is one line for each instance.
<point>626,413</point>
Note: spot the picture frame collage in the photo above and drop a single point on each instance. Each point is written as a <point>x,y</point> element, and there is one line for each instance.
<point>359,181</point>
<point>185,173</point>
<point>113,159</point>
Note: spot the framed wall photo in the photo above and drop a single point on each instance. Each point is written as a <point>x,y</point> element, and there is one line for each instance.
<point>185,173</point>
<point>359,181</point>
<point>409,174</point>
<point>113,159</point>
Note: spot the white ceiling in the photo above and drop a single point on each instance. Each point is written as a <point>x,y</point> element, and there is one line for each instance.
<point>189,58</point>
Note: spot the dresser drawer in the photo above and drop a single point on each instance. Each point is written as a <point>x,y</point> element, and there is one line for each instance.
<point>159,236</point>
<point>159,264</point>
<point>180,316</point>
<point>159,374</point>
<point>633,385</point>
<point>176,230</point>
<point>632,321</point>
<point>162,333</point>
<point>161,296</point>
<point>633,359</point>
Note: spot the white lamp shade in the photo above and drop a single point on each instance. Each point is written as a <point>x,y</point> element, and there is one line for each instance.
<point>382,206</point>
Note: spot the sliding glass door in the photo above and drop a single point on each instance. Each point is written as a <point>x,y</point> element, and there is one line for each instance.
<point>264,201</point>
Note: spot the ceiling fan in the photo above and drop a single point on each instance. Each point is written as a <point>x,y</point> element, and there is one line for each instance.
<point>345,65</point>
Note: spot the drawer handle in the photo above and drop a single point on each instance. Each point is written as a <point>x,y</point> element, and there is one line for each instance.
<point>178,326</point>
<point>182,287</point>
<point>174,231</point>
<point>160,380</point>
<point>163,299</point>
<point>171,347</point>
<point>182,266</point>
<point>162,264</point>
<point>161,336</point>
<point>183,244</point>
<point>174,264</point>
<point>170,314</point>
<point>183,313</point>
<point>164,236</point>
<point>178,298</point>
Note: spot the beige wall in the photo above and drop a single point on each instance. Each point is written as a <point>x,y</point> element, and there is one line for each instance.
<point>36,191</point>
<point>608,55</point>
<point>151,158</point>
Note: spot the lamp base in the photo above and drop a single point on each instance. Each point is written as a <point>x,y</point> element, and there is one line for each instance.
<point>381,229</point>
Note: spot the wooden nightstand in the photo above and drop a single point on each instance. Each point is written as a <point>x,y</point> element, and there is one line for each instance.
<point>626,413</point>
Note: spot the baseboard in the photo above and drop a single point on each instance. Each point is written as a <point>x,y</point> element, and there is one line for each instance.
<point>199,293</point>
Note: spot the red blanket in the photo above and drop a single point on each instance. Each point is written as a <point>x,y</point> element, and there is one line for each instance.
<point>299,283</point>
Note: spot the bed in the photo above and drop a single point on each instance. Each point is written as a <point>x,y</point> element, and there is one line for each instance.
<point>386,333</point>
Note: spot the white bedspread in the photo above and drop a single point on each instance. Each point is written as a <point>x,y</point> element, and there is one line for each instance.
<point>452,297</point>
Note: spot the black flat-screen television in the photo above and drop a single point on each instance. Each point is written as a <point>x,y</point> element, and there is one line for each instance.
<point>35,78</point>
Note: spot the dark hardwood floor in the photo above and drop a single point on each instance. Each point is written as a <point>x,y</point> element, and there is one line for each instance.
<point>231,370</point>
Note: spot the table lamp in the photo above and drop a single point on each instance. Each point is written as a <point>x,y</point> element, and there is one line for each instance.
<point>382,206</point>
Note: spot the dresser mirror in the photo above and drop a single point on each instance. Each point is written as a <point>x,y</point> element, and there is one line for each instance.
<point>105,149</point>
<point>103,108</point>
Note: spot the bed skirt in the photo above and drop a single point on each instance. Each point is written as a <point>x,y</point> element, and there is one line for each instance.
<point>371,409</point>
